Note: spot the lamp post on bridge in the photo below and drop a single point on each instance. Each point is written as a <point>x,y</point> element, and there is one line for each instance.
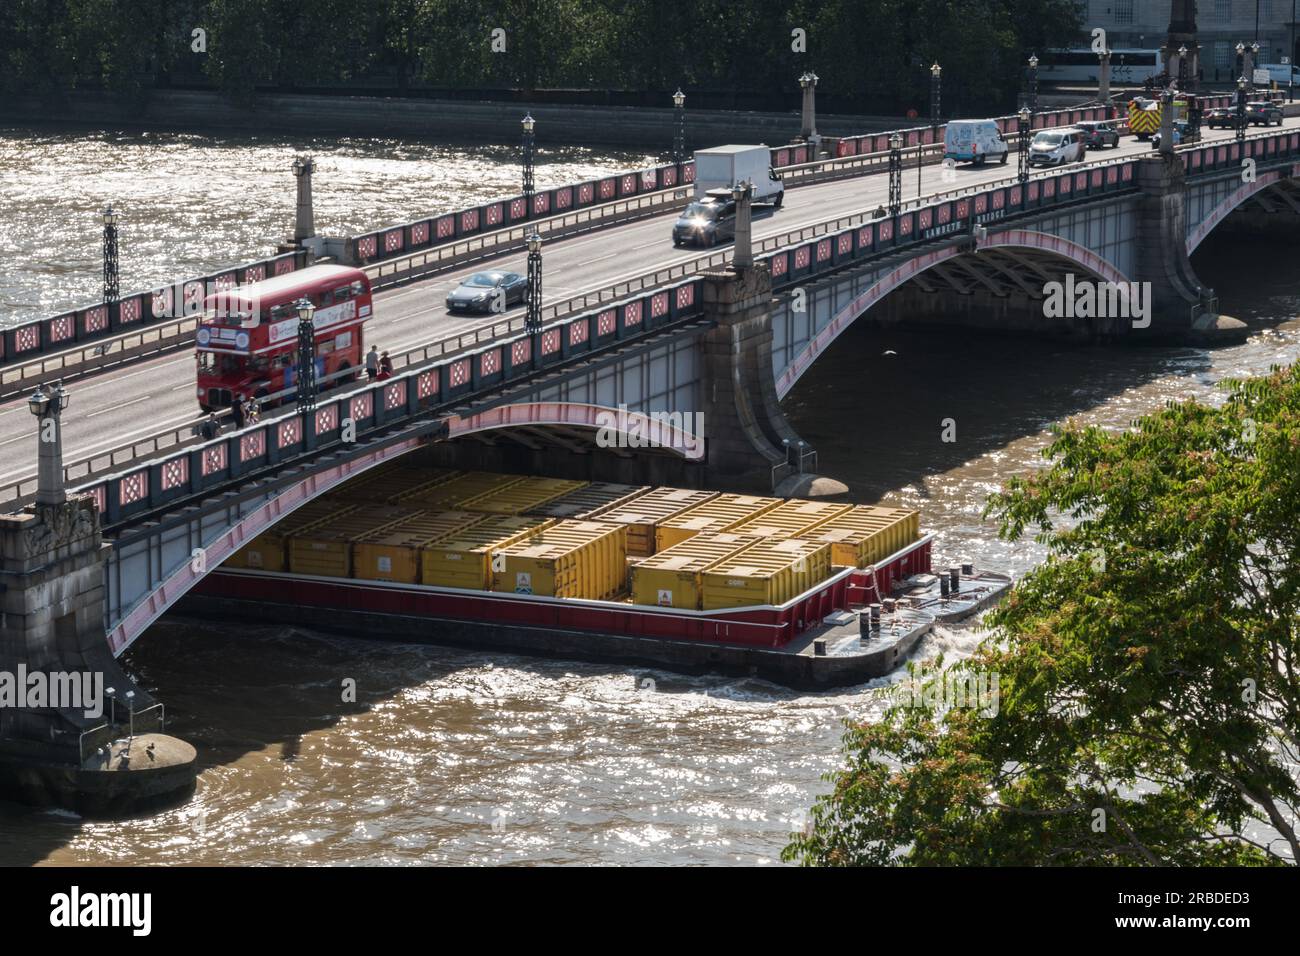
<point>1022,144</point>
<point>936,73</point>
<point>679,127</point>
<point>895,174</point>
<point>111,284</point>
<point>48,407</point>
<point>528,123</point>
<point>306,373</point>
<point>1241,109</point>
<point>533,315</point>
<point>1103,80</point>
<point>1033,83</point>
<point>1182,67</point>
<point>808,131</point>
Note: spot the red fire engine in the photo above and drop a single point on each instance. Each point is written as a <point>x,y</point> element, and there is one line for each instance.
<point>248,336</point>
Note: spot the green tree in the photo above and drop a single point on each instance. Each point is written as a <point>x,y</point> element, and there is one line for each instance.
<point>1147,672</point>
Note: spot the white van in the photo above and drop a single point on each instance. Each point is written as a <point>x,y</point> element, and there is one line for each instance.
<point>1056,147</point>
<point>974,141</point>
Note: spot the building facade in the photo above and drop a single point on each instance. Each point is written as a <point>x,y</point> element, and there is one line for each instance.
<point>1221,25</point>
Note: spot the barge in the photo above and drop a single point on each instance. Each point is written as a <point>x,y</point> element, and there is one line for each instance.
<point>799,593</point>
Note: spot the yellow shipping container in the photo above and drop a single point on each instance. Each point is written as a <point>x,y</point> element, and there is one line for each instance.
<point>385,483</point>
<point>791,519</point>
<point>589,501</point>
<point>671,577</point>
<point>643,514</point>
<point>868,534</point>
<point>268,551</point>
<point>771,572</point>
<point>393,554</point>
<point>523,496</point>
<point>721,514</point>
<point>452,495</point>
<point>325,549</point>
<point>464,559</point>
<point>570,559</point>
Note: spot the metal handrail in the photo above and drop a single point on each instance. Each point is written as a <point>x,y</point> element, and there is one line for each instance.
<point>110,726</point>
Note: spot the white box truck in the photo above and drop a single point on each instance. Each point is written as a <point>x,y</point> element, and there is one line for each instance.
<point>723,166</point>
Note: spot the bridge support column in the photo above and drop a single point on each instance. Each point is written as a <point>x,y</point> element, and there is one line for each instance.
<point>750,445</point>
<point>63,741</point>
<point>1181,307</point>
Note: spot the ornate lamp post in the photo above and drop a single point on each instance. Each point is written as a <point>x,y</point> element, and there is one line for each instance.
<point>533,315</point>
<point>895,174</point>
<point>1182,67</point>
<point>1254,58</point>
<point>808,82</point>
<point>1241,109</point>
<point>1022,143</point>
<point>48,408</point>
<point>1033,83</point>
<point>936,72</point>
<point>679,127</point>
<point>111,286</point>
<point>528,123</point>
<point>306,355</point>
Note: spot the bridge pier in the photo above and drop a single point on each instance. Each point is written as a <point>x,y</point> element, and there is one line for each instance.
<point>1182,307</point>
<point>750,443</point>
<point>63,742</point>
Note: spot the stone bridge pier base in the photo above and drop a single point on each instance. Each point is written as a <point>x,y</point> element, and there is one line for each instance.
<point>750,445</point>
<point>1181,307</point>
<point>64,741</point>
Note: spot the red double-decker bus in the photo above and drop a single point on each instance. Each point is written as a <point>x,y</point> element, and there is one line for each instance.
<point>248,337</point>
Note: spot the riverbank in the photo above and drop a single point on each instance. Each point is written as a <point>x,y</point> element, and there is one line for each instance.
<point>443,121</point>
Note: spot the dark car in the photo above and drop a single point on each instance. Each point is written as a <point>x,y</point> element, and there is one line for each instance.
<point>1220,118</point>
<point>488,292</point>
<point>706,222</point>
<point>1263,113</point>
<point>1098,134</point>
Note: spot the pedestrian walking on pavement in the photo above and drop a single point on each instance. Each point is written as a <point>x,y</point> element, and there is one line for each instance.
<point>385,365</point>
<point>372,363</point>
<point>210,428</point>
<point>239,413</point>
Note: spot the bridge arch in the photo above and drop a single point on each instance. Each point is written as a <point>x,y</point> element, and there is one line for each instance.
<point>1242,194</point>
<point>1061,250</point>
<point>623,428</point>
<point>613,427</point>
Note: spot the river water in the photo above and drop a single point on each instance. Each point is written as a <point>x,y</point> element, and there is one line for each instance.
<point>457,757</point>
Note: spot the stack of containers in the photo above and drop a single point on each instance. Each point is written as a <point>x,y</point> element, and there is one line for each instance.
<point>523,496</point>
<point>325,549</point>
<point>721,514</point>
<point>868,534</point>
<point>452,495</point>
<point>589,501</point>
<point>393,553</point>
<point>389,483</point>
<point>570,559</point>
<point>464,559</point>
<point>792,519</point>
<point>267,551</point>
<point>644,513</point>
<point>771,572</point>
<point>672,577</point>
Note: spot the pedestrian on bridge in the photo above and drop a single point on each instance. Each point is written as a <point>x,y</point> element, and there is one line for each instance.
<point>210,428</point>
<point>372,363</point>
<point>239,411</point>
<point>385,366</point>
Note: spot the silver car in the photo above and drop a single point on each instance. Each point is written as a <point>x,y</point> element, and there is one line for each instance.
<point>1056,147</point>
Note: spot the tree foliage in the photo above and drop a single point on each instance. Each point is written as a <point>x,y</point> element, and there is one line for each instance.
<point>871,54</point>
<point>1149,695</point>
